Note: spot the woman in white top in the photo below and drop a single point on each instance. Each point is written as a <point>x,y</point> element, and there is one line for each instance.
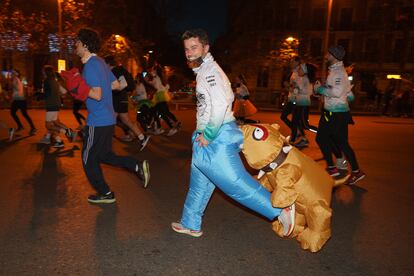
<point>303,87</point>
<point>146,114</point>
<point>19,102</point>
<point>161,98</point>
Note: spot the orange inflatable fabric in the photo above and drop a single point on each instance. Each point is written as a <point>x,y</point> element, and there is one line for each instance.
<point>291,176</point>
<point>243,108</point>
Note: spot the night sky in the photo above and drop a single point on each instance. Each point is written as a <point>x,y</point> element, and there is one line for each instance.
<point>181,14</point>
<point>189,14</point>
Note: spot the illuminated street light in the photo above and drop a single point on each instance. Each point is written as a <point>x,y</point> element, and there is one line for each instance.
<point>150,51</point>
<point>289,48</point>
<point>120,42</point>
<point>290,39</point>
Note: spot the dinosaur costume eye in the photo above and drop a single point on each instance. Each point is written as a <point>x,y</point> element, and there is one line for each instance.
<point>260,133</point>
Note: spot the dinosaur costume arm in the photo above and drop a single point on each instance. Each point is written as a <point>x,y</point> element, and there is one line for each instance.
<point>283,183</point>
<point>265,182</point>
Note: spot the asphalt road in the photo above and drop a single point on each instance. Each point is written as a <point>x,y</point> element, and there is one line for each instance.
<point>48,228</point>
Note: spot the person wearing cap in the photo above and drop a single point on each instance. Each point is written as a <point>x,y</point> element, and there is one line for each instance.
<point>333,124</point>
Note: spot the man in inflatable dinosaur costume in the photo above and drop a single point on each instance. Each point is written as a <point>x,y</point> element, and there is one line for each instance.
<point>291,177</point>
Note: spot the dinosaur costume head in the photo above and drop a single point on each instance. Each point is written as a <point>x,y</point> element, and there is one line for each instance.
<point>291,177</point>
<point>264,146</point>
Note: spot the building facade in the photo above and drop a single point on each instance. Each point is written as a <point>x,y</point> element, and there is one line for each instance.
<point>378,36</point>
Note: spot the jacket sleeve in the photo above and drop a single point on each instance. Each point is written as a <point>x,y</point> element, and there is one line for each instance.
<point>216,104</point>
<point>203,107</point>
<point>334,87</point>
<point>293,86</point>
<point>303,84</point>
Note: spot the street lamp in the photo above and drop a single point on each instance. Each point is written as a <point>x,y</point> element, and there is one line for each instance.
<point>290,39</point>
<point>119,42</point>
<point>326,39</point>
<point>59,2</point>
<point>291,47</point>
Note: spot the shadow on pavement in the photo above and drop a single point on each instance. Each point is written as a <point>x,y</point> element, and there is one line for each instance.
<point>106,242</point>
<point>49,189</point>
<point>346,220</point>
<point>5,143</point>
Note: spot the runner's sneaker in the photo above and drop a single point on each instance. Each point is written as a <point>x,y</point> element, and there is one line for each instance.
<point>70,134</point>
<point>108,198</point>
<point>172,131</point>
<point>287,219</point>
<point>143,172</point>
<point>127,138</point>
<point>179,228</point>
<point>355,177</point>
<point>302,143</point>
<point>144,142</point>
<point>11,134</point>
<point>45,140</point>
<point>159,131</point>
<point>342,163</point>
<point>333,171</point>
<point>33,131</point>
<point>58,144</point>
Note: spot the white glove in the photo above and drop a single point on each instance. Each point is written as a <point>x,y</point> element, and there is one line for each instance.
<point>122,83</point>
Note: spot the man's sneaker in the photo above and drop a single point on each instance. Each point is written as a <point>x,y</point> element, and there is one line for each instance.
<point>108,198</point>
<point>179,228</point>
<point>58,144</point>
<point>333,171</point>
<point>287,219</point>
<point>33,131</point>
<point>11,134</point>
<point>70,134</point>
<point>159,131</point>
<point>144,142</point>
<point>355,177</point>
<point>45,140</point>
<point>178,125</point>
<point>143,172</point>
<point>342,163</point>
<point>172,131</point>
<point>127,138</point>
<point>302,143</point>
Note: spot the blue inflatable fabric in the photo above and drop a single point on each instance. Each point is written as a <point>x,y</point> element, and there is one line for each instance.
<point>219,165</point>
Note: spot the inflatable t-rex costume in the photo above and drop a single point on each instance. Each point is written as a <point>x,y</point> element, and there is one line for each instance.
<point>291,176</point>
